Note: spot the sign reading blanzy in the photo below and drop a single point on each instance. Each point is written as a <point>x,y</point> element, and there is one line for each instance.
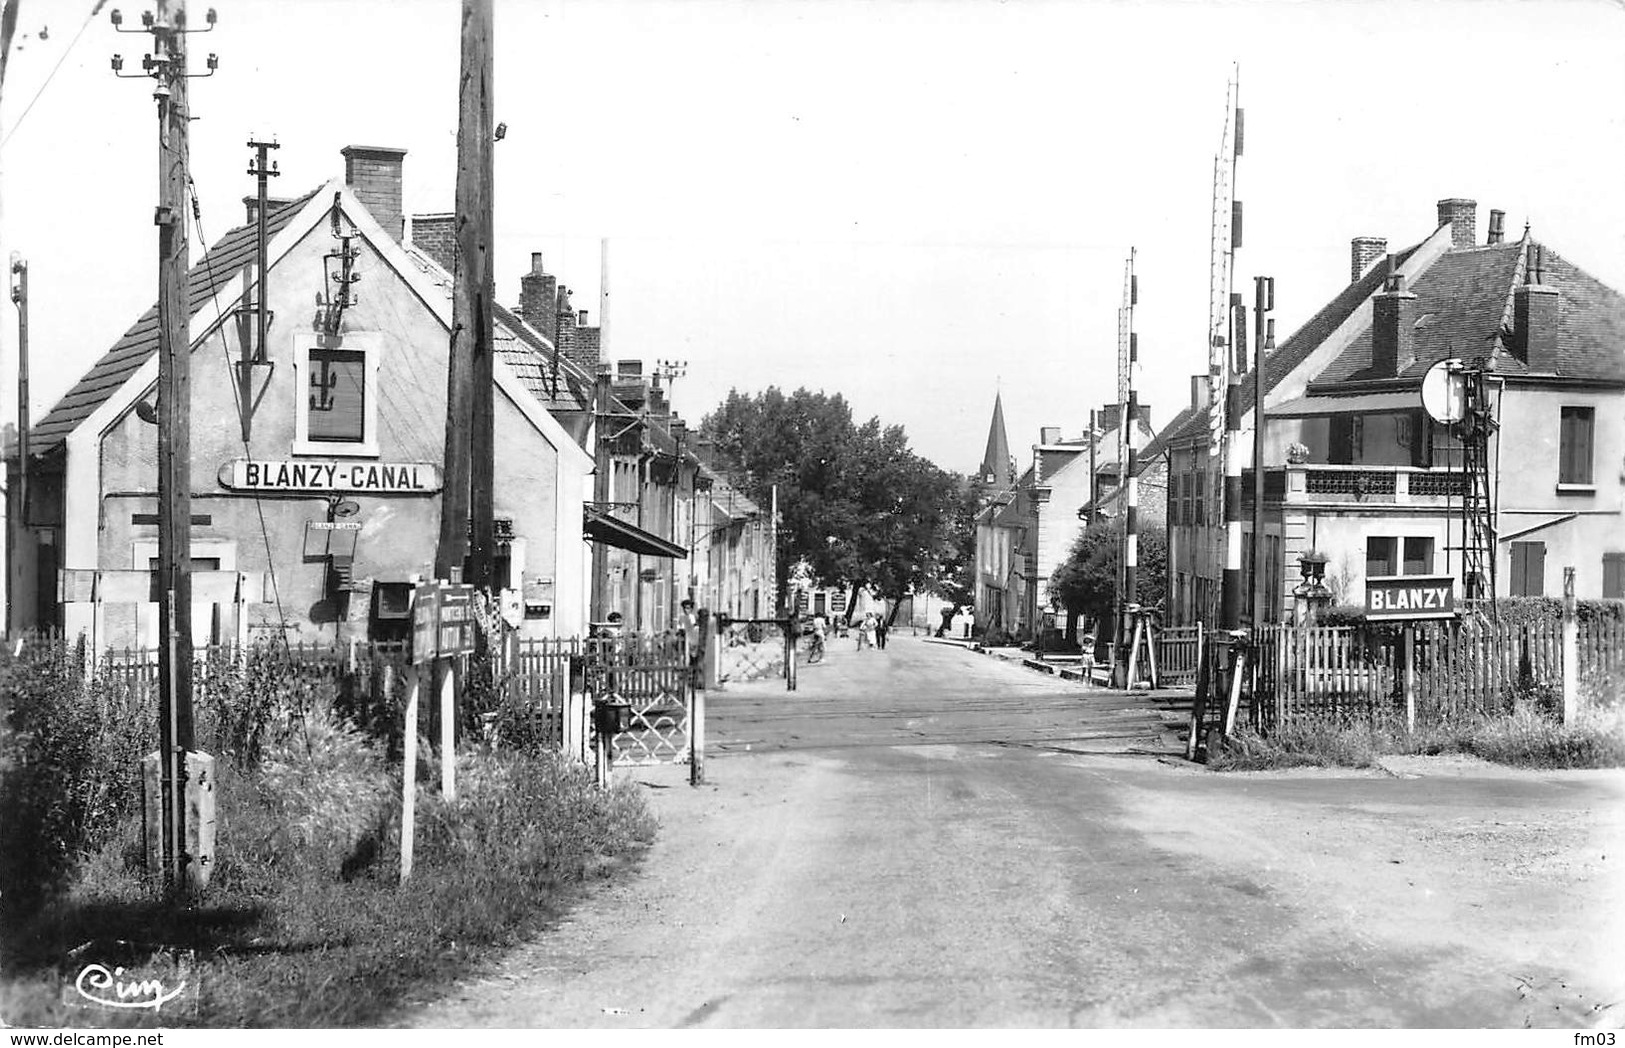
<point>1396,597</point>
<point>324,475</point>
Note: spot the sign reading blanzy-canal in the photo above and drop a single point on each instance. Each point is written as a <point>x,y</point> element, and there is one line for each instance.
<point>1394,597</point>
<point>369,478</point>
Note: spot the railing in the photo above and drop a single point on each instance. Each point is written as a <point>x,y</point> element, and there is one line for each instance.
<point>1356,482</point>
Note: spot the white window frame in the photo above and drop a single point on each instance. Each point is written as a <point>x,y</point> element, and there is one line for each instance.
<point>368,343</point>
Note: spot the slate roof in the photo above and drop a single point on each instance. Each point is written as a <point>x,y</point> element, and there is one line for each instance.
<point>1288,355</point>
<point>219,267</point>
<point>1464,309</point>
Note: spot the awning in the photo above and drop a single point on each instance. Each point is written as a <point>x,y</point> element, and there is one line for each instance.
<point>1350,404</point>
<point>612,531</point>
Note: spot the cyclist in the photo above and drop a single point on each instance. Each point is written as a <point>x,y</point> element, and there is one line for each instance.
<point>815,644</point>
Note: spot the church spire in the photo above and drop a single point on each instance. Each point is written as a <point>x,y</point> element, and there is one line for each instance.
<point>998,468</point>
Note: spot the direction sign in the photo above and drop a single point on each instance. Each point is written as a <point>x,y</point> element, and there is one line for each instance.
<point>1394,598</point>
<point>456,636</point>
<point>425,621</point>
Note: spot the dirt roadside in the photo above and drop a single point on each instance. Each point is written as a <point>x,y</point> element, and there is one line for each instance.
<point>1435,894</point>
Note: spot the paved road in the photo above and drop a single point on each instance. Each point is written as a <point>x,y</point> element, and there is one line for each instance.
<point>925,837</point>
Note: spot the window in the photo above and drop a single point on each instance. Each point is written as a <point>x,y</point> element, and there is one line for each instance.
<point>1200,501</point>
<point>1418,556</point>
<point>1346,435</point>
<point>1381,556</point>
<point>336,382</point>
<point>1574,446</point>
<point>1528,569</point>
<point>1613,576</point>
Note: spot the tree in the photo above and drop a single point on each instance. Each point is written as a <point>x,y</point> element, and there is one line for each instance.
<point>1086,582</point>
<point>854,501</point>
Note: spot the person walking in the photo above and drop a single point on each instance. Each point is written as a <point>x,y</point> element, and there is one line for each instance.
<point>866,631</point>
<point>881,629</point>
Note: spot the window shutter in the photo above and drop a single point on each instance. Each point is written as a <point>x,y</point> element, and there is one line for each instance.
<point>1536,563</point>
<point>1613,576</point>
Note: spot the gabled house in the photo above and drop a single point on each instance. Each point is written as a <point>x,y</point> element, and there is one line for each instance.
<point>315,458</point>
<point>1356,469</point>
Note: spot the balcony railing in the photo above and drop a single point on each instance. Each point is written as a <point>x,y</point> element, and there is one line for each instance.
<point>1364,484</point>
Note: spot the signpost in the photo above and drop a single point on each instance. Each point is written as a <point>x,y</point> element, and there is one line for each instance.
<point>443,628</point>
<point>1400,598</point>
<point>1407,599</point>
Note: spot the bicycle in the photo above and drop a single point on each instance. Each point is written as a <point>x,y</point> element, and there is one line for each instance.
<point>815,648</point>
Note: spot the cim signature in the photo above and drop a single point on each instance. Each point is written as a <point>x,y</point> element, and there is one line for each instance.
<point>96,980</point>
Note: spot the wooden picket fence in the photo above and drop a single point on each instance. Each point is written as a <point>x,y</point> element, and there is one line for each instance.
<point>1179,650</point>
<point>1473,666</point>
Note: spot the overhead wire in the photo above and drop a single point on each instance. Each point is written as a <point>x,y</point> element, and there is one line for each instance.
<point>95,9</point>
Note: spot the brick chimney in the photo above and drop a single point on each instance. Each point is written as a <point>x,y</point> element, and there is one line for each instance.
<point>1497,231</point>
<point>538,291</point>
<point>251,206</point>
<point>436,236</point>
<point>1109,415</point>
<point>1535,312</point>
<point>373,173</point>
<point>1462,217</point>
<point>1393,327</point>
<point>1365,252</point>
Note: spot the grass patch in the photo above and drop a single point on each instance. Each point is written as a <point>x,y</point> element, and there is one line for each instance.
<point>1526,738</point>
<point>304,923</point>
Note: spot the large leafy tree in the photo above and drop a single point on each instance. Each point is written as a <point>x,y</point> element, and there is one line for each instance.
<point>1086,582</point>
<point>854,501</point>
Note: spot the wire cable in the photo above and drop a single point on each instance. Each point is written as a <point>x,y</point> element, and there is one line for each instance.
<point>94,11</point>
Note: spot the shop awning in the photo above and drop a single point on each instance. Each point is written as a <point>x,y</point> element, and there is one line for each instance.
<point>612,531</point>
<point>1350,404</point>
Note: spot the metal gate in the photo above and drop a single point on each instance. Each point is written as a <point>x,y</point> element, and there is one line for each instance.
<point>756,649</point>
<point>652,676</point>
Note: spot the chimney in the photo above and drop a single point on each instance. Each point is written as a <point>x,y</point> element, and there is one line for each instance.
<point>1393,327</point>
<point>538,291</point>
<point>251,206</point>
<point>1462,218</point>
<point>628,369</point>
<point>436,236</point>
<point>1535,312</point>
<point>1364,252</point>
<point>374,174</point>
<point>1497,231</point>
<point>1198,392</point>
<point>581,318</point>
<point>1049,434</point>
<point>1108,416</point>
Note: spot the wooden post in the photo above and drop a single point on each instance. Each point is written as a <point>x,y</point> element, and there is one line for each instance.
<point>696,732</point>
<point>1571,651</point>
<point>474,291</point>
<point>409,762</point>
<point>448,728</point>
<point>1408,644</point>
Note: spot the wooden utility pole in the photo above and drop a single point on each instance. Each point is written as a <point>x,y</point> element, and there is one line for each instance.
<point>1263,303</point>
<point>18,528</point>
<point>469,407</point>
<point>254,352</point>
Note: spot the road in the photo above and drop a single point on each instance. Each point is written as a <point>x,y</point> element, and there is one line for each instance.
<point>926,836</point>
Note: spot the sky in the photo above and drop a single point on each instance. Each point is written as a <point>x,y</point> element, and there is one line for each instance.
<point>914,203</point>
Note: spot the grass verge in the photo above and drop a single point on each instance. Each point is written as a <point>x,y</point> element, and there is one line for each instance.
<point>304,923</point>
<point>1525,738</point>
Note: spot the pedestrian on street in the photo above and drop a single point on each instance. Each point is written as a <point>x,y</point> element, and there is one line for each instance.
<point>881,629</point>
<point>689,623</point>
<point>866,631</point>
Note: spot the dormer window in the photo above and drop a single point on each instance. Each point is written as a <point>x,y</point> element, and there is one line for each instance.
<point>336,395</point>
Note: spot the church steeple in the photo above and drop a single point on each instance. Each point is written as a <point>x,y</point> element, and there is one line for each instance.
<point>998,468</point>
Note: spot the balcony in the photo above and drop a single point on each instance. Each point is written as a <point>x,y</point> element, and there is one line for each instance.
<point>1362,486</point>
